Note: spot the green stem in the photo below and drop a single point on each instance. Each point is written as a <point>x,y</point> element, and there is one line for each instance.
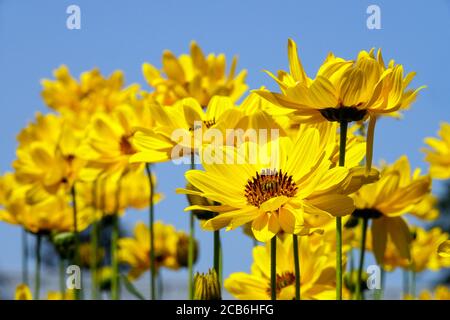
<point>114,258</point>
<point>361,258</point>
<point>405,282</point>
<point>37,278</point>
<point>342,145</point>
<point>76,257</point>
<point>24,257</point>
<point>297,267</point>
<point>191,243</point>
<point>94,258</point>
<point>273,268</point>
<point>217,253</point>
<point>151,219</point>
<point>62,275</point>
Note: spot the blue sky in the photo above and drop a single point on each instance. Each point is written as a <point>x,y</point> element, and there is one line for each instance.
<point>122,35</point>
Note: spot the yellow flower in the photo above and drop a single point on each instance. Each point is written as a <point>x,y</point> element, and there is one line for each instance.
<point>52,213</point>
<point>439,153</point>
<point>79,100</point>
<point>440,293</point>
<point>342,88</point>
<point>317,275</point>
<point>273,185</point>
<point>194,76</point>
<point>169,246</point>
<point>108,145</point>
<point>423,247</point>
<point>46,158</point>
<point>23,293</point>
<point>207,286</point>
<point>385,201</point>
<point>186,125</point>
<point>56,295</point>
<point>99,198</point>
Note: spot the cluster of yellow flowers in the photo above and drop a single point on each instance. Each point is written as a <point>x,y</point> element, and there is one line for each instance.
<point>293,168</point>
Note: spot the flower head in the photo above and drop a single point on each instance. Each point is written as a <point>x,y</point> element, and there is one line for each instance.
<point>196,75</point>
<point>438,154</point>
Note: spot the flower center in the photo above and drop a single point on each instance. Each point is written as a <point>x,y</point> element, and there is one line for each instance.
<point>207,123</point>
<point>283,280</point>
<point>125,146</point>
<point>267,185</point>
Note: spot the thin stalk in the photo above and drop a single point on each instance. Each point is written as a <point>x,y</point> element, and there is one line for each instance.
<point>151,219</point>
<point>37,277</point>
<point>24,257</point>
<point>62,275</point>
<point>94,258</point>
<point>273,268</point>
<point>342,145</point>
<point>115,281</point>
<point>191,243</point>
<point>76,256</point>
<point>297,267</point>
<point>361,258</point>
<point>405,282</point>
<point>217,253</point>
<point>413,283</point>
<point>114,258</point>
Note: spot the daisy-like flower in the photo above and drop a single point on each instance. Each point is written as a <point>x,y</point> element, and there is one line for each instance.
<point>80,99</point>
<point>438,154</point>
<point>170,248</point>
<point>342,89</point>
<point>194,76</point>
<point>51,214</point>
<point>108,144</point>
<point>385,201</point>
<point>274,190</point>
<point>317,259</point>
<point>185,125</point>
<point>423,247</point>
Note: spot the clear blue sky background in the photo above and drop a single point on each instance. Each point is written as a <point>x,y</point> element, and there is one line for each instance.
<point>122,35</point>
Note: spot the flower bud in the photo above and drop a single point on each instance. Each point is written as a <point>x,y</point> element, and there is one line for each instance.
<point>207,286</point>
<point>183,250</point>
<point>198,200</point>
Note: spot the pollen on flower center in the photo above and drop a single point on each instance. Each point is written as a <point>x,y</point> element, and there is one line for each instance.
<point>267,185</point>
<point>125,146</point>
<point>207,123</point>
<point>283,280</point>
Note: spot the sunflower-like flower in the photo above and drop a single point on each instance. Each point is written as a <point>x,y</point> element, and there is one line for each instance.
<point>423,247</point>
<point>46,156</point>
<point>108,144</point>
<point>170,248</point>
<point>385,201</point>
<point>52,214</point>
<point>317,277</point>
<point>80,99</point>
<point>100,197</point>
<point>439,153</point>
<point>187,126</point>
<point>194,76</point>
<point>274,185</point>
<point>342,89</point>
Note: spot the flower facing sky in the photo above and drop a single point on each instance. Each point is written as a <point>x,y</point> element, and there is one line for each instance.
<point>359,87</point>
<point>196,75</point>
<point>385,201</point>
<point>289,179</point>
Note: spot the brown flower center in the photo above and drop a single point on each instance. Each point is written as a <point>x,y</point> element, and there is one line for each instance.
<point>125,146</point>
<point>267,185</point>
<point>283,280</point>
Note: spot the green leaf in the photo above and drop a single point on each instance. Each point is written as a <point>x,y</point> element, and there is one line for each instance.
<point>131,288</point>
